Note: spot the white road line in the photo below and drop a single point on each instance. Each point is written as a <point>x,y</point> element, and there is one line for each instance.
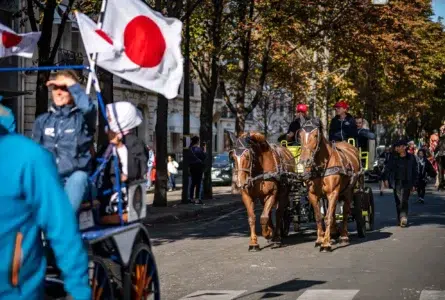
<point>328,295</point>
<point>225,216</point>
<point>214,295</point>
<point>432,295</point>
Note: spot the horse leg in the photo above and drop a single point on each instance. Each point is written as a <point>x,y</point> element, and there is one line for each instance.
<point>332,203</point>
<point>344,237</point>
<point>250,207</point>
<point>279,215</point>
<point>265,219</point>
<point>314,200</point>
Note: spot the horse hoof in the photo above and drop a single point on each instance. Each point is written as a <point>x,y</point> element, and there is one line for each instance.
<point>325,249</point>
<point>344,240</point>
<point>254,248</point>
<point>317,244</point>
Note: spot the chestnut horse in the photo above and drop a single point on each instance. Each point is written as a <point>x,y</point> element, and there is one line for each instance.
<point>260,170</point>
<point>333,171</point>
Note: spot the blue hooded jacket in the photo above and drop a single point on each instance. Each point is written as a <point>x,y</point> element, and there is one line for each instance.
<point>68,132</point>
<point>7,118</point>
<point>33,200</point>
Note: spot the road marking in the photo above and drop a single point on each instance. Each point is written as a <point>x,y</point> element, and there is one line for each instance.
<point>214,295</point>
<point>225,216</point>
<point>432,295</point>
<point>328,295</point>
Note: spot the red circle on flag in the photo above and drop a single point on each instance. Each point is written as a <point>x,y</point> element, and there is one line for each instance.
<point>144,43</point>
<point>10,39</point>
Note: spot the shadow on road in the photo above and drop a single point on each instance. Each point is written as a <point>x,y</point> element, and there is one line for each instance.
<point>278,290</point>
<point>370,236</point>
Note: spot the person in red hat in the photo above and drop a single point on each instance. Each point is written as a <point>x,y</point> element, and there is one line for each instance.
<point>302,113</point>
<point>343,126</point>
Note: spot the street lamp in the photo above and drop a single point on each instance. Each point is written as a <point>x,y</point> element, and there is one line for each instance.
<point>380,2</point>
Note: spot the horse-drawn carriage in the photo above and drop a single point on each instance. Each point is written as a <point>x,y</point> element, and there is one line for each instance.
<point>316,181</point>
<point>300,210</point>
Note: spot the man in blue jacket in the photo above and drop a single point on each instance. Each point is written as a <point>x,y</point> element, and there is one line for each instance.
<point>34,201</point>
<point>67,131</point>
<point>343,126</point>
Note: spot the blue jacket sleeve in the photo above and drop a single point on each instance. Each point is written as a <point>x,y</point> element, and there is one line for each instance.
<point>37,131</point>
<point>56,217</point>
<point>85,104</point>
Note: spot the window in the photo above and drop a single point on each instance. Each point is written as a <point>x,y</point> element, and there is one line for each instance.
<point>219,92</point>
<point>225,112</point>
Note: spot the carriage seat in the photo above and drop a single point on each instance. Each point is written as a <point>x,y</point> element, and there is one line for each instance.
<point>135,200</point>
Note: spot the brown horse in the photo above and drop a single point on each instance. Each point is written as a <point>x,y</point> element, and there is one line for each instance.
<point>333,171</point>
<point>260,169</point>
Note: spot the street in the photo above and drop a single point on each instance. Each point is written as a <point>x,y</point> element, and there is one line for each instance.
<point>208,259</point>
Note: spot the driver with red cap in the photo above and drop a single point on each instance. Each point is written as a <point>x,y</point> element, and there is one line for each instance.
<point>343,126</point>
<point>302,111</point>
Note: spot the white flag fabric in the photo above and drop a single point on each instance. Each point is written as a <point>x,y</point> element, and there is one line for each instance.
<point>94,39</point>
<point>13,44</point>
<point>151,55</point>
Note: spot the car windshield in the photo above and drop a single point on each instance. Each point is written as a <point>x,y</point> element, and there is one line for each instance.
<point>221,159</point>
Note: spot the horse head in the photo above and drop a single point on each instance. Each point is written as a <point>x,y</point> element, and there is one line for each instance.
<point>243,154</point>
<point>310,137</point>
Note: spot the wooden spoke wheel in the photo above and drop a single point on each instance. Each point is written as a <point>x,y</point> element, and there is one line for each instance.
<point>285,224</point>
<point>144,274</point>
<point>100,279</point>
<point>358,215</point>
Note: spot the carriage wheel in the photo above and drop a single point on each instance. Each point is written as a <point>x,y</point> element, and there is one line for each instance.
<point>100,279</point>
<point>369,219</point>
<point>144,274</point>
<point>359,220</point>
<point>285,224</point>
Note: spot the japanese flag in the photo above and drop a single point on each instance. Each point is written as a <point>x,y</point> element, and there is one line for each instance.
<point>13,44</point>
<point>94,40</point>
<point>151,55</point>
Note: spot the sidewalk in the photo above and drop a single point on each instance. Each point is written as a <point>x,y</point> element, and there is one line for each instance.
<point>175,211</point>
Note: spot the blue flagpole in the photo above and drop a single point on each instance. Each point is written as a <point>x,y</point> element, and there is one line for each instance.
<point>48,68</point>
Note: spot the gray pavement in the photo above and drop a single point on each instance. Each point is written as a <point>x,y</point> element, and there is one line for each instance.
<point>208,259</point>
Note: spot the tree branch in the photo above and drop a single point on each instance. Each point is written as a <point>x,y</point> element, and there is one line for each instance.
<point>264,70</point>
<point>60,31</point>
<point>31,15</point>
<point>227,98</point>
<point>39,4</point>
<point>190,11</point>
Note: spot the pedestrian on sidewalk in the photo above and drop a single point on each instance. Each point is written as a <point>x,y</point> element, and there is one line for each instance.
<point>172,169</point>
<point>401,174</point>
<point>196,165</point>
<point>425,169</point>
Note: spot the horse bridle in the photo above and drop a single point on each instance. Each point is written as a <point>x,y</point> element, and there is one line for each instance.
<point>242,147</point>
<point>311,161</point>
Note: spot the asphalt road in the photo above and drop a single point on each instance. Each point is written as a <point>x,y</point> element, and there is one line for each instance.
<point>209,260</point>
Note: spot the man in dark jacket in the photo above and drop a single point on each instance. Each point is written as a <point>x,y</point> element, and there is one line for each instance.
<point>67,131</point>
<point>401,174</point>
<point>343,126</point>
<point>196,165</point>
<point>294,127</point>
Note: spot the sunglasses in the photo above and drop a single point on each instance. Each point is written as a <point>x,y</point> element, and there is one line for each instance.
<point>60,87</point>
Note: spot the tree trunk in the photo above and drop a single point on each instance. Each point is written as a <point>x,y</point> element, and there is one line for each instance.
<point>161,152</point>
<point>326,87</point>
<point>240,122</point>
<point>206,135</point>
<point>313,86</point>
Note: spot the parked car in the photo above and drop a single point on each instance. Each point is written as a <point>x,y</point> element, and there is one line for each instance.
<point>222,169</point>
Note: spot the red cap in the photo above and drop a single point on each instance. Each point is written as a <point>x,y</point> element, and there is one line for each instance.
<point>302,108</point>
<point>342,104</point>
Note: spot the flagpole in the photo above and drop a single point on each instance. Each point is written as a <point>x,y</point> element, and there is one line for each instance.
<point>93,60</point>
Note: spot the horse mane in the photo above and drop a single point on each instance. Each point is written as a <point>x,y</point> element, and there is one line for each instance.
<point>313,122</point>
<point>255,137</point>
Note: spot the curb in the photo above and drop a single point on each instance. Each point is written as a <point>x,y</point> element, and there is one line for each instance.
<point>193,214</point>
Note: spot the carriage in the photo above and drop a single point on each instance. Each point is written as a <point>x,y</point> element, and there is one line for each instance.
<point>121,261</point>
<point>300,211</point>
